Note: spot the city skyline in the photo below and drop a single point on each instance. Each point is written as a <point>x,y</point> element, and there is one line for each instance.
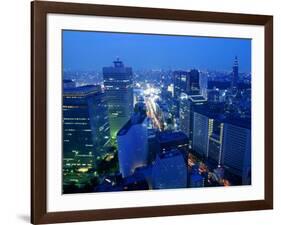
<point>152,51</point>
<point>156,129</point>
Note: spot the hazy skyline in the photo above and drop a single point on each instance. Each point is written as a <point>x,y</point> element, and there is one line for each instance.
<point>89,50</point>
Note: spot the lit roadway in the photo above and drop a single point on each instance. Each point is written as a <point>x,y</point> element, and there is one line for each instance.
<point>150,104</point>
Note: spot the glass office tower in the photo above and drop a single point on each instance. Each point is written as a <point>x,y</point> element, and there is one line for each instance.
<point>236,154</point>
<point>85,122</point>
<point>118,83</point>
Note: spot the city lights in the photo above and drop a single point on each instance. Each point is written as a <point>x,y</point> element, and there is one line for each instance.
<point>131,127</point>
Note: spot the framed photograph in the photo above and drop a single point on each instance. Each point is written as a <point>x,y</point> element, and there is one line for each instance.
<point>144,112</point>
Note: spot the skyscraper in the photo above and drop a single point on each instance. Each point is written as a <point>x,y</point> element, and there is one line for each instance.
<point>132,140</point>
<point>187,105</point>
<point>186,82</point>
<point>202,128</point>
<point>118,83</point>
<point>193,82</point>
<point>215,142</point>
<point>180,82</point>
<point>208,134</point>
<point>85,122</point>
<point>203,82</point>
<point>235,73</point>
<point>184,111</point>
<point>236,154</point>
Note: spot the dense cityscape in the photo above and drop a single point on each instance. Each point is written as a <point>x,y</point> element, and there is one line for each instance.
<point>139,129</point>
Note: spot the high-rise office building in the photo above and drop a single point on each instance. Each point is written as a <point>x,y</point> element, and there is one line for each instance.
<point>236,154</point>
<point>184,111</point>
<point>85,122</point>
<point>203,83</point>
<point>235,73</point>
<point>202,128</point>
<point>180,82</point>
<point>193,82</point>
<point>170,170</point>
<point>118,83</point>
<point>208,134</point>
<point>186,82</point>
<point>132,140</point>
<point>187,105</point>
<point>215,142</point>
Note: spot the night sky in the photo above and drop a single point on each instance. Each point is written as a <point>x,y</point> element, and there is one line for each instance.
<point>94,50</point>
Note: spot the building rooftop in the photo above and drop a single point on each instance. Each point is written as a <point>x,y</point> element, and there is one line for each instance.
<point>118,67</point>
<point>211,109</point>
<point>197,98</point>
<point>180,72</point>
<point>208,111</point>
<point>219,84</point>
<point>168,136</point>
<point>118,63</point>
<point>171,153</point>
<point>137,118</point>
<point>81,90</point>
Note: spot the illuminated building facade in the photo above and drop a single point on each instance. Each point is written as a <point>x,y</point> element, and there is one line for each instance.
<point>118,83</point>
<point>187,105</point>
<point>85,122</point>
<point>208,134</point>
<point>236,154</point>
<point>203,82</point>
<point>180,82</point>
<point>202,128</point>
<point>215,142</point>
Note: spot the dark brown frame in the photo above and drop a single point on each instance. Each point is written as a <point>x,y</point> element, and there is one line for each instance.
<point>39,11</point>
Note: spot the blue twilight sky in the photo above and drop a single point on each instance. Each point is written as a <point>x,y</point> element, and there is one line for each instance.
<point>93,50</point>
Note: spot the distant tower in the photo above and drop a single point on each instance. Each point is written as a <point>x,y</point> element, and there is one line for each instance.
<point>235,70</point>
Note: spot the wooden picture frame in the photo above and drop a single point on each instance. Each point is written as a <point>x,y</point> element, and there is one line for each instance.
<point>40,9</point>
